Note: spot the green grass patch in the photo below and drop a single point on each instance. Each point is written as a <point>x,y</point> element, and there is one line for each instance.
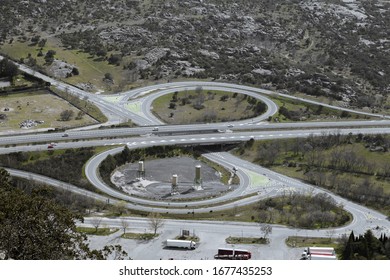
<point>91,70</point>
<point>99,231</point>
<point>38,105</point>
<point>302,241</point>
<point>139,236</point>
<point>134,107</point>
<point>82,104</point>
<point>297,110</point>
<point>190,238</point>
<point>224,173</point>
<point>206,106</point>
<point>256,179</point>
<point>246,240</point>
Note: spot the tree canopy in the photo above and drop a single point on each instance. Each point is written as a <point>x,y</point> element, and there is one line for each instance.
<point>366,247</point>
<point>8,68</point>
<point>34,227</point>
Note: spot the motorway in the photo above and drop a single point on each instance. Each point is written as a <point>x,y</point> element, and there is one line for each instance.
<point>255,182</point>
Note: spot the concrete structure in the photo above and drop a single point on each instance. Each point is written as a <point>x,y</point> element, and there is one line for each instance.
<point>141,170</point>
<point>174,181</point>
<point>198,178</point>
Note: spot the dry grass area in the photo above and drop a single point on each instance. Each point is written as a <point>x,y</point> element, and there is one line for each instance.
<point>215,108</point>
<point>38,106</point>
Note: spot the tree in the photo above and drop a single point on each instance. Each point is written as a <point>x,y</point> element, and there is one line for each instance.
<point>42,43</point>
<point>172,105</point>
<point>80,115</point>
<point>120,207</point>
<point>108,77</point>
<point>115,59</point>
<point>75,71</point>
<point>34,227</point>
<point>96,221</point>
<point>266,230</point>
<point>124,224</point>
<point>8,68</point>
<point>49,57</point>
<point>66,115</point>
<point>155,222</point>
<point>364,247</point>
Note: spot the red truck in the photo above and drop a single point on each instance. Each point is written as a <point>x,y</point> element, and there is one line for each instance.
<point>233,254</point>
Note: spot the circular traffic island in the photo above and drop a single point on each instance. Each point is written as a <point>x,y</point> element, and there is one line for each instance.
<point>205,106</point>
<point>178,178</point>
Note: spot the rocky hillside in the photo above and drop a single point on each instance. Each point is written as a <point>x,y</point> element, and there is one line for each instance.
<point>334,48</point>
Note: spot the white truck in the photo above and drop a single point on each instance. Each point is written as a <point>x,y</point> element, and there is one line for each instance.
<point>321,257</point>
<point>319,253</point>
<point>186,244</point>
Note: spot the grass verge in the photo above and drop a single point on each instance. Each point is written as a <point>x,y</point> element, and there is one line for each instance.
<point>99,231</point>
<point>139,236</point>
<point>246,240</point>
<point>302,241</point>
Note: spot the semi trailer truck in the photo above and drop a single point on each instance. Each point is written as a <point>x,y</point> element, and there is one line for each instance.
<point>319,253</point>
<point>233,254</point>
<point>185,244</point>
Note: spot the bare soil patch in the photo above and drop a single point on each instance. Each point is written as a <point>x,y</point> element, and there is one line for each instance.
<point>157,181</point>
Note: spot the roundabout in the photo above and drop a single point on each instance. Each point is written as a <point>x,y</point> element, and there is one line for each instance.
<point>136,193</point>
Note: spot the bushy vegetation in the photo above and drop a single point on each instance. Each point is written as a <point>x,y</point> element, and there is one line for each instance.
<point>34,227</point>
<point>8,69</point>
<point>74,202</point>
<point>201,106</point>
<point>337,49</point>
<point>82,104</point>
<point>317,211</point>
<point>365,247</point>
<point>354,166</point>
<point>66,165</point>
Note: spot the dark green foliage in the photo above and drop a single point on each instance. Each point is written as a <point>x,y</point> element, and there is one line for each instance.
<point>319,211</point>
<point>49,57</point>
<point>331,162</point>
<point>65,167</point>
<point>74,202</point>
<point>8,68</point>
<point>66,115</point>
<point>75,71</point>
<point>366,247</point>
<point>115,59</point>
<point>33,227</point>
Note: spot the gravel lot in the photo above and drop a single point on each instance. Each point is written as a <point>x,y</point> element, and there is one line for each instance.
<point>158,175</point>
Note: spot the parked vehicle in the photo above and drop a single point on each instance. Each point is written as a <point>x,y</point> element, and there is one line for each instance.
<point>319,253</point>
<point>187,244</point>
<point>233,254</point>
<point>321,257</point>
